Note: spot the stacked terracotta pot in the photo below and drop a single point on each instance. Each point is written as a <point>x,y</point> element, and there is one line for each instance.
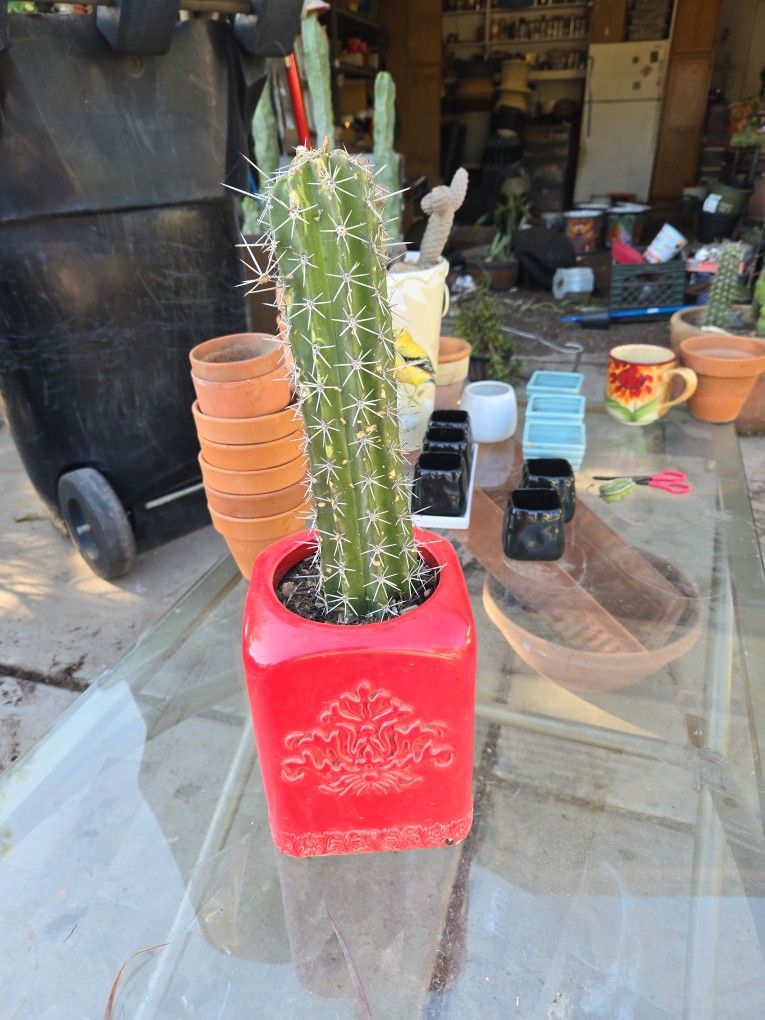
<point>252,439</point>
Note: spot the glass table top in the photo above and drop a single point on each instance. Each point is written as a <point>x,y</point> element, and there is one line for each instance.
<point>615,868</point>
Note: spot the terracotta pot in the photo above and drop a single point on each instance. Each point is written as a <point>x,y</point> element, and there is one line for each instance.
<point>245,483</point>
<point>365,732</point>
<point>253,456</point>
<point>752,418</point>
<point>246,537</point>
<point>687,323</point>
<point>236,357</point>
<point>453,360</point>
<point>262,504</point>
<point>451,372</point>
<point>246,398</point>
<point>727,368</point>
<point>263,428</point>
<point>241,375</point>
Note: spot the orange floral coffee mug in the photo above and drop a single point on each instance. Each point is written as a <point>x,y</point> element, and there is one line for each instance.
<point>639,380</point>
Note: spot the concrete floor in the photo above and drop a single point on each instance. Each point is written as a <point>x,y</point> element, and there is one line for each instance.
<point>61,626</point>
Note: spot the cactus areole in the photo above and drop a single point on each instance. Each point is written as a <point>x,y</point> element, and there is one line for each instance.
<point>364,732</point>
<point>325,218</point>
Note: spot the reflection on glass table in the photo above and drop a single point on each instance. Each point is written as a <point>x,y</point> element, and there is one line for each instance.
<point>615,867</point>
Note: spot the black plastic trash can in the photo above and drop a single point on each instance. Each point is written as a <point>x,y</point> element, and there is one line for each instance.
<point>117,255</point>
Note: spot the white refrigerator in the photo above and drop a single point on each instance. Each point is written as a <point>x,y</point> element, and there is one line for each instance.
<point>620,118</point>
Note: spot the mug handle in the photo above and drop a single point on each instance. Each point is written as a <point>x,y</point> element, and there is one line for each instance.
<point>446,300</point>
<point>691,382</point>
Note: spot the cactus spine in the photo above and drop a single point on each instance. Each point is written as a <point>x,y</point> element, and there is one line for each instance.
<point>327,234</point>
<point>316,57</point>
<point>722,291</point>
<point>385,159</point>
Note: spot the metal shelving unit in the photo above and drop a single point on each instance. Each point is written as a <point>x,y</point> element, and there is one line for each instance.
<point>486,44</point>
<point>341,24</point>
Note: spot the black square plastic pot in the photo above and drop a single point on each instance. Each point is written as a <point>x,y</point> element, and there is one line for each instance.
<point>553,473</point>
<point>533,525</point>
<point>452,419</point>
<point>447,440</point>
<point>440,487</point>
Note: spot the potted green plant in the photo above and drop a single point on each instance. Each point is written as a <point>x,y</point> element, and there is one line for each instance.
<point>479,322</point>
<point>358,637</point>
<point>496,264</point>
<point>725,315</point>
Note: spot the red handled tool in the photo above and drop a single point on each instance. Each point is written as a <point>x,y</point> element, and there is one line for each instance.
<point>675,482</point>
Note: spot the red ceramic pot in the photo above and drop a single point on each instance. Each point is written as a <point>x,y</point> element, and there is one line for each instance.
<point>364,733</point>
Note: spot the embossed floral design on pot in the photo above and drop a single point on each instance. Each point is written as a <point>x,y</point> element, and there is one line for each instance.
<point>366,741</point>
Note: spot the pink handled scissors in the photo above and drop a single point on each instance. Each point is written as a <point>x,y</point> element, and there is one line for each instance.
<point>675,482</point>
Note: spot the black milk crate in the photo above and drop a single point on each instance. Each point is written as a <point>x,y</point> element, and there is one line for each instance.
<point>647,285</point>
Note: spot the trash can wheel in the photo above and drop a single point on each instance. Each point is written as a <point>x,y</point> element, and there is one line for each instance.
<point>97,522</point>
<point>138,27</point>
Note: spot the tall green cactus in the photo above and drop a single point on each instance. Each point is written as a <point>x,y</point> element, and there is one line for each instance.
<point>265,134</point>
<point>327,234</point>
<point>385,159</point>
<point>316,57</point>
<point>723,289</point>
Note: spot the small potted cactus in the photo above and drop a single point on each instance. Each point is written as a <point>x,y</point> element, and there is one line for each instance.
<point>358,637</point>
<point>723,315</point>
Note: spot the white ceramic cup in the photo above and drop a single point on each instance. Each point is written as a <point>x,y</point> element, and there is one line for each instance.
<point>492,408</point>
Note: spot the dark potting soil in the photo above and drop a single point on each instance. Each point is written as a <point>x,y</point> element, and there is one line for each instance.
<point>298,591</point>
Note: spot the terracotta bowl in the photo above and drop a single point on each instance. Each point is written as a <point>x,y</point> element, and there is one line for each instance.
<point>261,504</point>
<point>727,368</point>
<point>263,428</point>
<point>580,669</point>
<point>245,483</point>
